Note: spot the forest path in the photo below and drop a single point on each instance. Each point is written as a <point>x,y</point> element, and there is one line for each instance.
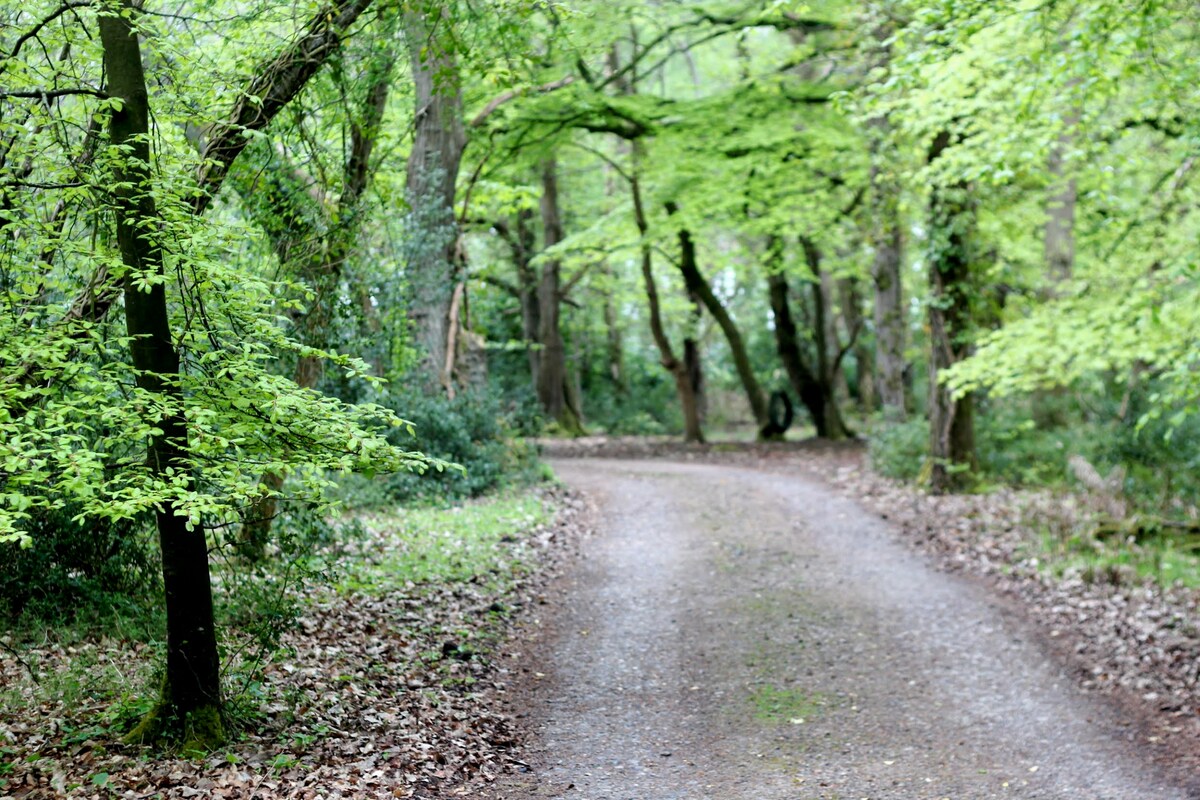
<point>731,633</point>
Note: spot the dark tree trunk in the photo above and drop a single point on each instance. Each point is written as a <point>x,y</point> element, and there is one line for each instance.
<point>814,393</point>
<point>552,369</point>
<point>825,335</point>
<point>192,691</point>
<point>433,259</point>
<point>527,288</point>
<point>696,284</point>
<point>951,419</point>
<point>693,431</point>
<point>693,358</point>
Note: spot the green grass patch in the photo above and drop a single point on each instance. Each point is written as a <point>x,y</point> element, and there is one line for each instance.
<point>775,705</point>
<point>1165,558</point>
<point>477,541</point>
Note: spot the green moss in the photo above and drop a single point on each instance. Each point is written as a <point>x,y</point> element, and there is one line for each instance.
<point>773,704</point>
<point>197,733</point>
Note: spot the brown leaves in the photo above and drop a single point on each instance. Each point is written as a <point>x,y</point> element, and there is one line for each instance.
<point>368,702</point>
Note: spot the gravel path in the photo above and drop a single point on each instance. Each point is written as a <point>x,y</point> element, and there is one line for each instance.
<point>731,633</point>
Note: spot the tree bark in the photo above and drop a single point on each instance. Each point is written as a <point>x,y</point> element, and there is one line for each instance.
<point>852,318</point>
<point>192,691</point>
<point>527,287</point>
<point>828,353</point>
<point>433,259</point>
<point>552,370</point>
<point>693,357</point>
<point>1060,218</point>
<point>814,394</point>
<point>693,431</point>
<point>890,316</point>
<point>696,284</point>
<point>951,419</point>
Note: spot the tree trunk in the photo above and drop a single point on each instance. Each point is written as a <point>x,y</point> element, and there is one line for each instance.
<point>1048,405</point>
<point>433,259</point>
<point>192,689</point>
<point>852,318</point>
<point>1060,218</point>
<point>951,420</point>
<point>828,351</point>
<point>696,284</point>
<point>683,383</point>
<point>552,369</point>
<point>615,349</point>
<point>800,375</point>
<point>527,288</point>
<point>814,394</point>
<point>693,360</point>
<point>833,343</point>
<point>890,314</point>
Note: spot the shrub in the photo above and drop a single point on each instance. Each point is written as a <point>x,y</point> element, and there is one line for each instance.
<point>79,571</point>
<point>471,431</point>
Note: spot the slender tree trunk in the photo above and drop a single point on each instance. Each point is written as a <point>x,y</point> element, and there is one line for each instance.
<point>615,349</point>
<point>827,351</point>
<point>890,316</point>
<point>852,318</point>
<point>951,419</point>
<point>804,382</point>
<point>833,344</point>
<point>552,370</point>
<point>693,360</point>
<point>1060,218</point>
<point>693,431</point>
<point>434,264</point>
<point>192,691</point>
<point>527,287</point>
<point>1048,405</point>
<point>696,284</point>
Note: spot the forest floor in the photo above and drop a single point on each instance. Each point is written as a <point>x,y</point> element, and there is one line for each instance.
<point>743,626</point>
<point>389,684</point>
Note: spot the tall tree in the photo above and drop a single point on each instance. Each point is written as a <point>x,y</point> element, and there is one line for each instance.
<point>434,260</point>
<point>951,416</point>
<point>552,369</point>
<point>192,687</point>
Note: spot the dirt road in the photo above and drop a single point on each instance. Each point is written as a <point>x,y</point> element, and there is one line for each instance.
<point>731,633</point>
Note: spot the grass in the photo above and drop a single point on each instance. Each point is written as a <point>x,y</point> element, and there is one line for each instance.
<point>447,545</point>
<point>1166,559</point>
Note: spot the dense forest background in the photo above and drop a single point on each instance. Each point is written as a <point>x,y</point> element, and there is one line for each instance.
<point>262,261</point>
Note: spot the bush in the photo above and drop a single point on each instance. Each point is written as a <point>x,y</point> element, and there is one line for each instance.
<point>472,431</point>
<point>79,572</point>
<point>899,451</point>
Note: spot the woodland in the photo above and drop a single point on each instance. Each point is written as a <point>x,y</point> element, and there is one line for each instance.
<point>278,278</point>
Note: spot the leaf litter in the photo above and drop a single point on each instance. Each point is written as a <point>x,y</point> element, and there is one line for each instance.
<point>400,693</point>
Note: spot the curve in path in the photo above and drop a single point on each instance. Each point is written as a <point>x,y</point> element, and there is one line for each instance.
<point>734,634</point>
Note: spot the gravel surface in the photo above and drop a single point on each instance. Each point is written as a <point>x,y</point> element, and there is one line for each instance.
<point>735,633</point>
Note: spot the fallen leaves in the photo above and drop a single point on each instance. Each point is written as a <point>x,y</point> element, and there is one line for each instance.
<point>390,694</point>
